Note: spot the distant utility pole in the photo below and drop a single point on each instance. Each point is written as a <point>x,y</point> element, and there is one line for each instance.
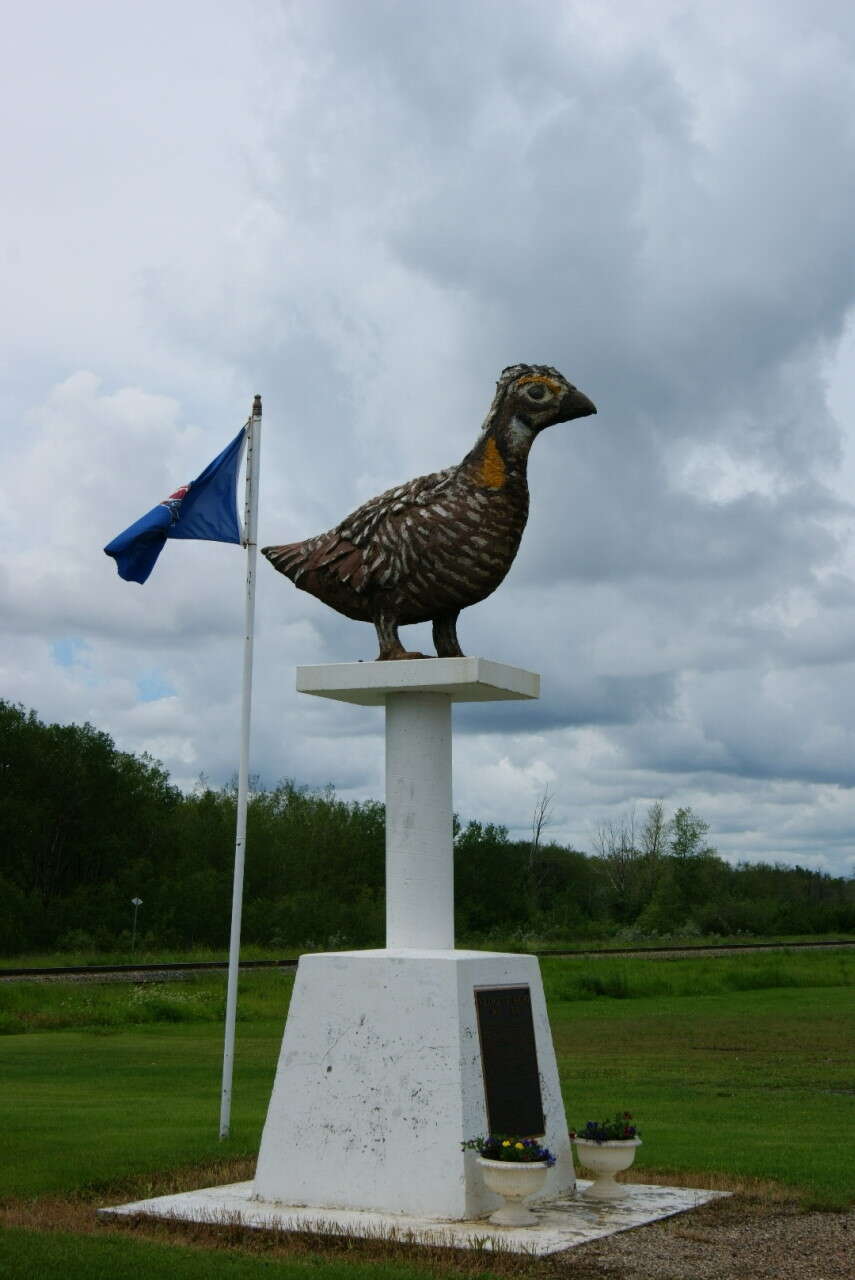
<point>136,903</point>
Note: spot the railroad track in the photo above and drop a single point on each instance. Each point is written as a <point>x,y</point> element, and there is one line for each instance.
<point>135,972</point>
<point>151,972</point>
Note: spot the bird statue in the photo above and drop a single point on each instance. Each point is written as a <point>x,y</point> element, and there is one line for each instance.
<point>431,547</point>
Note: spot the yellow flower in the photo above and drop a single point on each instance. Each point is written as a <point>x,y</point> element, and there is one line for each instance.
<point>519,1146</point>
<point>506,1143</point>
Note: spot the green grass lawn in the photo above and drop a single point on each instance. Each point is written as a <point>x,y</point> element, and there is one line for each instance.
<point>630,977</point>
<point>732,1064</point>
<point>195,998</point>
<point>733,1067</point>
<point>119,1006</point>
<point>81,1110</point>
<point>25,1255</point>
<point>740,1084</point>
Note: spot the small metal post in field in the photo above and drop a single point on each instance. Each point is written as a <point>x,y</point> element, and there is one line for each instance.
<point>136,903</point>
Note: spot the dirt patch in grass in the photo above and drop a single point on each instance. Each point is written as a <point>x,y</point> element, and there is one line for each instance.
<point>76,1211</point>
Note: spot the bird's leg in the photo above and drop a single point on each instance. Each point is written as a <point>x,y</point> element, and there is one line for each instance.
<point>445,635</point>
<point>391,648</point>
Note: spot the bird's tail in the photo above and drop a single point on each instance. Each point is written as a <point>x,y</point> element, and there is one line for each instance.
<point>287,559</point>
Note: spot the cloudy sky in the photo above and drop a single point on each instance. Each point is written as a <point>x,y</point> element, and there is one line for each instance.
<point>364,209</point>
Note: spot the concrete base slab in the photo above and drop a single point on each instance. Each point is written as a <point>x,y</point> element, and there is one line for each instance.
<point>562,1223</point>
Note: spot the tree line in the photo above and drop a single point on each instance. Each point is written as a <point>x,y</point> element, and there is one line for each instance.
<point>84,828</point>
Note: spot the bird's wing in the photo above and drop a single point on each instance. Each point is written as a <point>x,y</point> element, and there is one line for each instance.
<point>379,542</point>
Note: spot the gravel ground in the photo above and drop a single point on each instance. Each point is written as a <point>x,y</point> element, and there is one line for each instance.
<point>734,1239</point>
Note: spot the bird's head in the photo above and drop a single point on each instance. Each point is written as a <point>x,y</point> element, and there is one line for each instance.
<point>537,396</point>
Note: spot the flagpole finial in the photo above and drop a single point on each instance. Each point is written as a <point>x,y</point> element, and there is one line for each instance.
<point>256,407</point>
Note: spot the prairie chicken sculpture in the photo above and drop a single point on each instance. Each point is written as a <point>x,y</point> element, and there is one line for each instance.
<point>431,547</point>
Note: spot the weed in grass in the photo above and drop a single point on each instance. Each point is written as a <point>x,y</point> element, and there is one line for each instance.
<point>50,1006</point>
<point>632,977</point>
<point>614,985</point>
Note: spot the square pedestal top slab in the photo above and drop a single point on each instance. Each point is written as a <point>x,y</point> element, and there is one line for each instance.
<point>462,679</point>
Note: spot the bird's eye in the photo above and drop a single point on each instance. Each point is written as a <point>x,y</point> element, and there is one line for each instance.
<point>536,392</point>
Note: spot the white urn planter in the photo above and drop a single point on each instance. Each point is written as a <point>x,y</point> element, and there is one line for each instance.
<point>605,1159</point>
<point>514,1182</point>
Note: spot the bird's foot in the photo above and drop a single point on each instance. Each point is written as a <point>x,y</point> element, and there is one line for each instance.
<point>398,655</point>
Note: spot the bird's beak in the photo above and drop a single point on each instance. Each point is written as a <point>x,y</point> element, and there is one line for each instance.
<point>577,405</point>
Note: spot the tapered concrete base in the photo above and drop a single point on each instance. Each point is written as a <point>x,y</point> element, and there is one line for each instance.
<point>380,1080</point>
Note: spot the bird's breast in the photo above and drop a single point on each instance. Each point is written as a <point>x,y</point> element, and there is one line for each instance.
<point>462,557</point>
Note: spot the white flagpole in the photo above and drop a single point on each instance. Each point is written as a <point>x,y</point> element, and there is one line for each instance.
<point>253,446</point>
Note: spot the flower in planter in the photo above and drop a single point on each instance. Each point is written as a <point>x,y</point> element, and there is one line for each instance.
<point>513,1149</point>
<point>621,1129</point>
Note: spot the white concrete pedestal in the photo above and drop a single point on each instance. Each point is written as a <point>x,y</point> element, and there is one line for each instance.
<point>418,695</point>
<point>380,1076</point>
<point>380,1080</point>
<point>419,835</point>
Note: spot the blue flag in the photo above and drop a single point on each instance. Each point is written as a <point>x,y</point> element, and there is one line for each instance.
<point>206,508</point>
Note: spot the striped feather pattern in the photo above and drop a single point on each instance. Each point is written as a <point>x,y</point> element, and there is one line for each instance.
<point>436,544</point>
<point>429,548</point>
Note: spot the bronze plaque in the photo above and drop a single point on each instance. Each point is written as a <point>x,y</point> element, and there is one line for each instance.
<point>509,1061</point>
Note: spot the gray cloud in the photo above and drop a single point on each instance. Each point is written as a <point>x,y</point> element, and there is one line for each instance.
<point>365,211</point>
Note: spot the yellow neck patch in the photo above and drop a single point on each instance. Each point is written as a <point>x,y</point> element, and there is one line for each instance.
<point>492,471</point>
